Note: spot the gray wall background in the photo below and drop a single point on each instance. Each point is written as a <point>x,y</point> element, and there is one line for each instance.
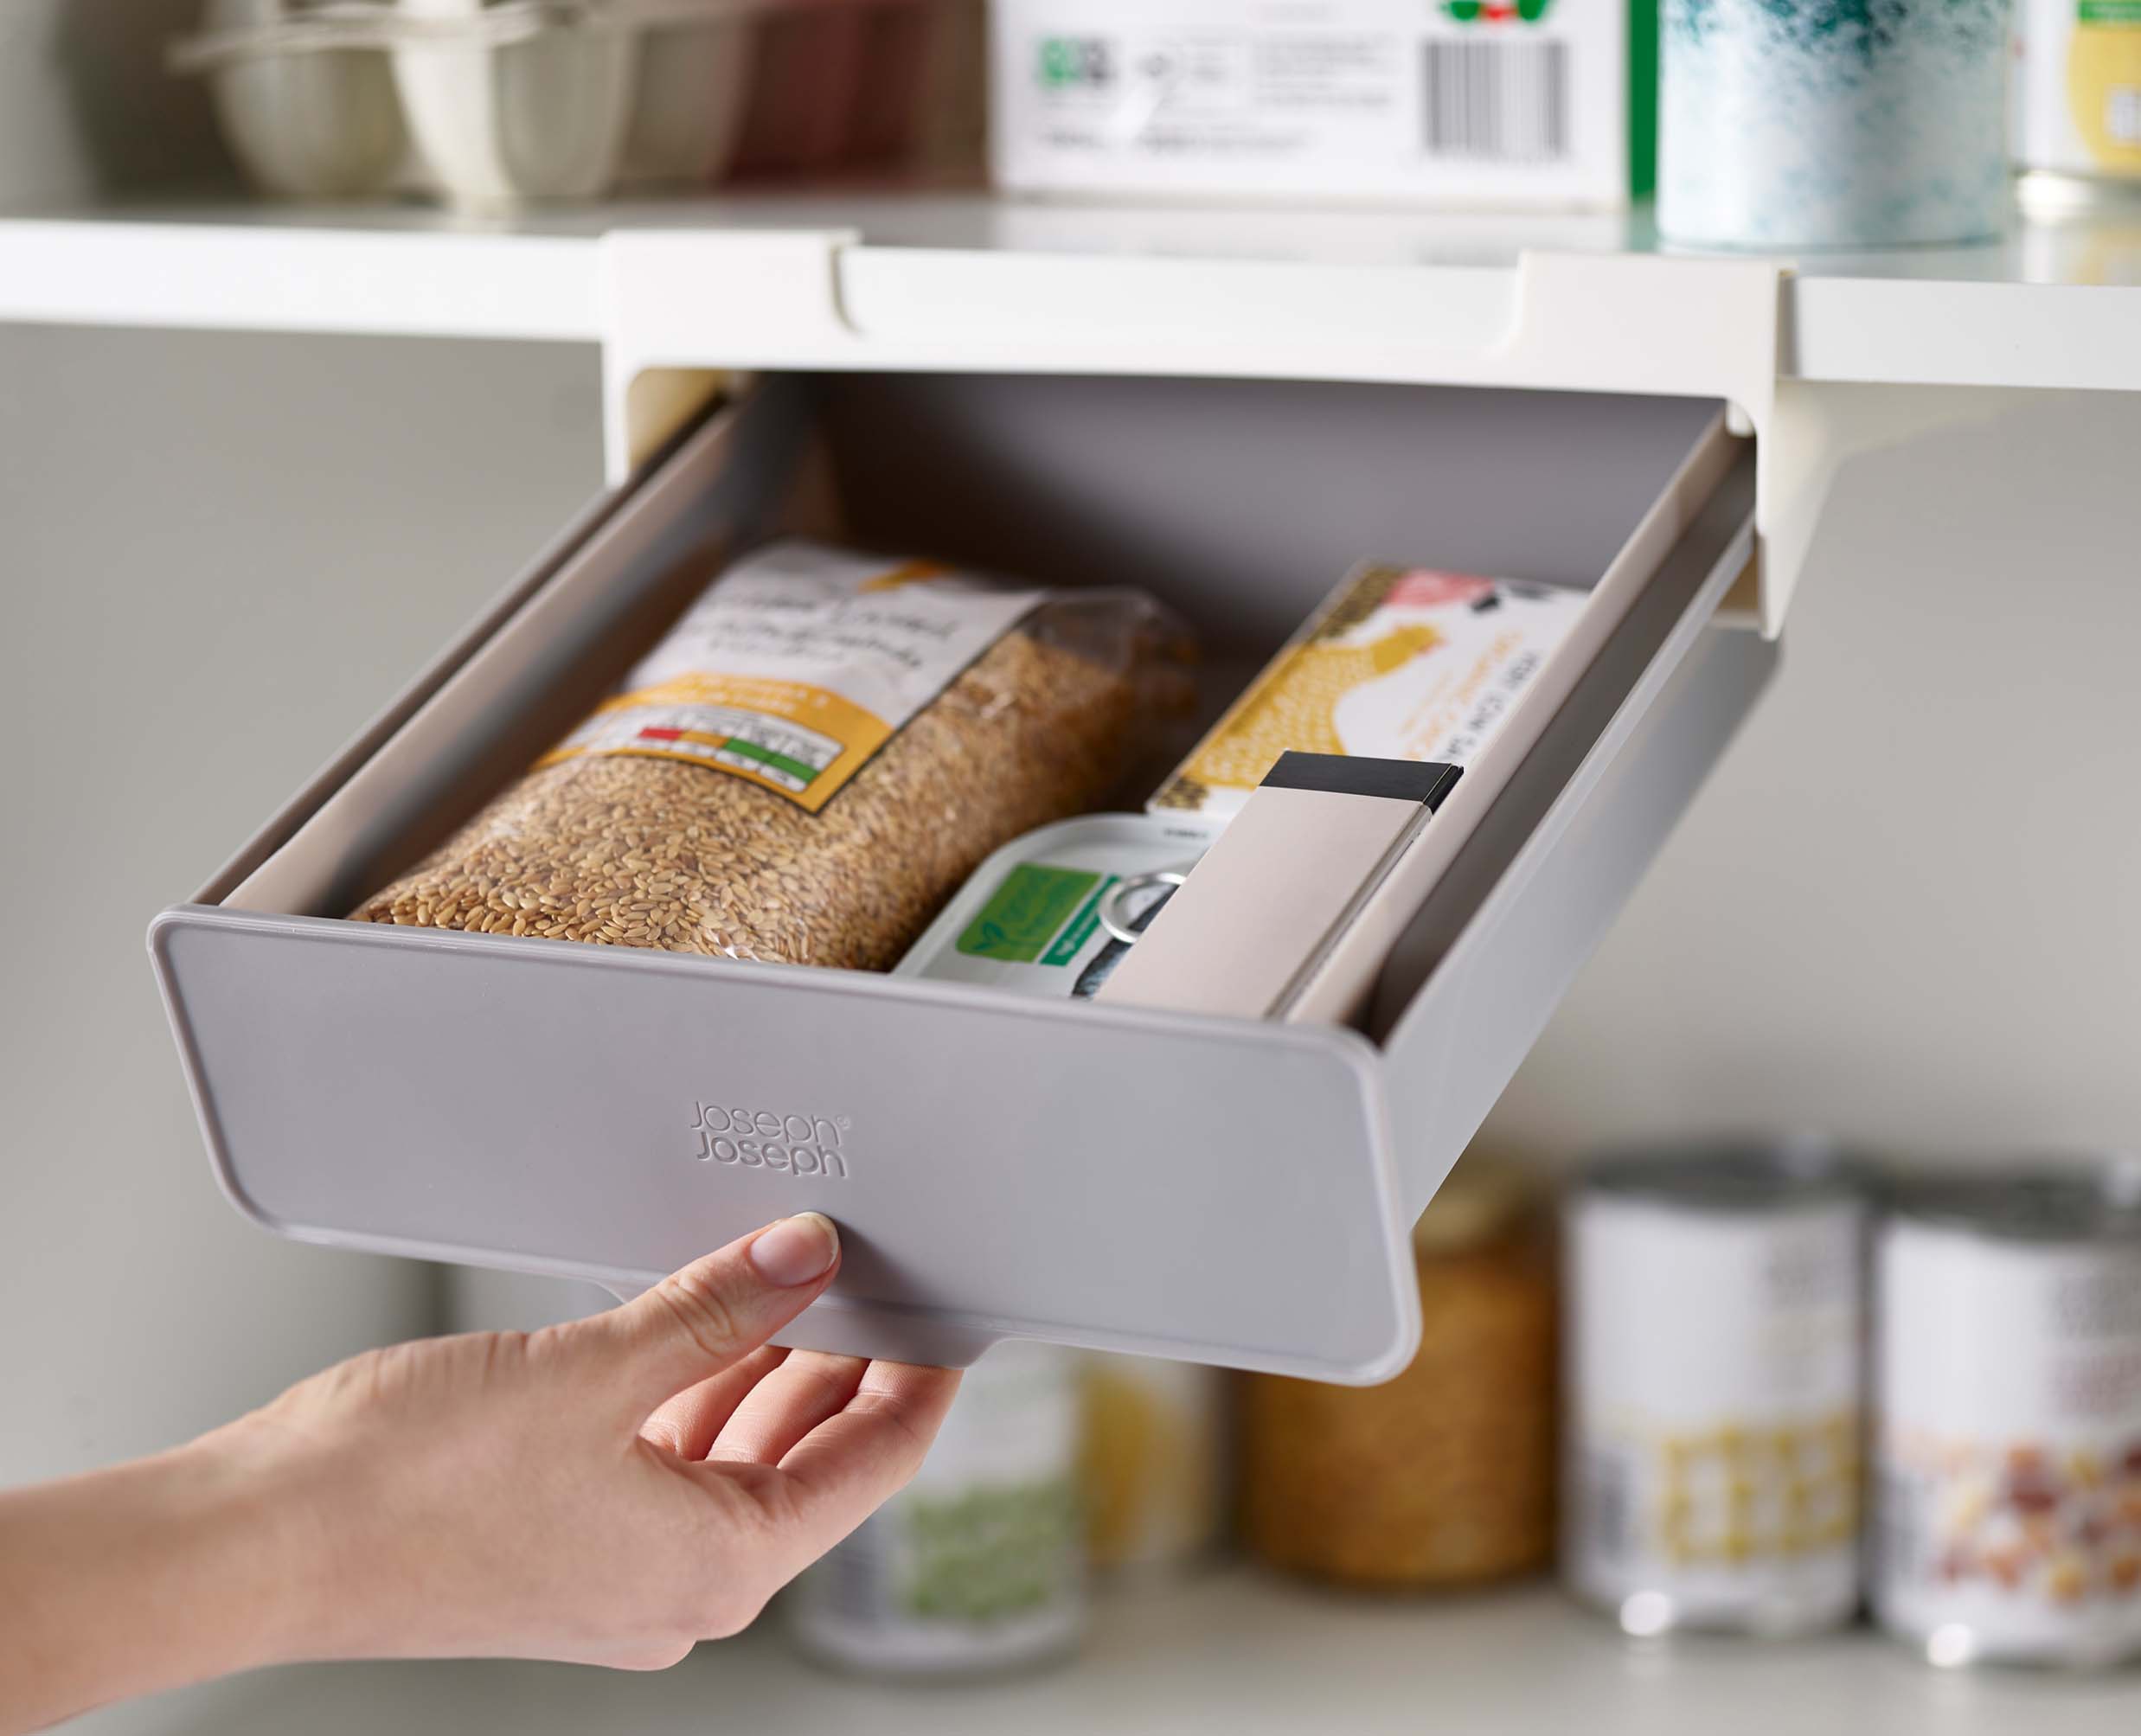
<point>1908,906</point>
<point>219,555</point>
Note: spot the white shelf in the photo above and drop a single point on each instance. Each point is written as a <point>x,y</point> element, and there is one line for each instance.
<point>1237,1653</point>
<point>2052,306</point>
<point>399,273</point>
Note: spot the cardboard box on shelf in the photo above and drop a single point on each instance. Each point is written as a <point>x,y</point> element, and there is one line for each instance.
<point>1536,103</point>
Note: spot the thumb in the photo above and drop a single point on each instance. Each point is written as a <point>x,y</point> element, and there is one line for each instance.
<point>703,1317</point>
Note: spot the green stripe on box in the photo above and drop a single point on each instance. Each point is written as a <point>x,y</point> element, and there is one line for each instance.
<point>1642,98</point>
<point>1024,912</point>
<point>2110,11</point>
<point>1072,939</point>
<point>766,756</point>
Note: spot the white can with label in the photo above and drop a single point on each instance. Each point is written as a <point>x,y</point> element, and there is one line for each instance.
<point>1155,1465</point>
<point>2009,1447</point>
<point>1714,1319</point>
<point>2076,101</point>
<point>978,1564</point>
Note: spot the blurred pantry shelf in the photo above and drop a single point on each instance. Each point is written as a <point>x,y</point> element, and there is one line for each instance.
<point>1236,1653</point>
<point>1472,298</point>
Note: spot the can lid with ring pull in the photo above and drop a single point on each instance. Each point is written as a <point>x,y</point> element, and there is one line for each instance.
<point>1114,908</point>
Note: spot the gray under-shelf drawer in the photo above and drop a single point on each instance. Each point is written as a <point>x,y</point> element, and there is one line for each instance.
<point>1222,1189</point>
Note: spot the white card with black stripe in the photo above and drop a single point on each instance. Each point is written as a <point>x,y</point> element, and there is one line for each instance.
<point>1269,899</point>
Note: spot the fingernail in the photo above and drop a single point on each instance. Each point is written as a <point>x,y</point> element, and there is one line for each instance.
<point>796,1250</point>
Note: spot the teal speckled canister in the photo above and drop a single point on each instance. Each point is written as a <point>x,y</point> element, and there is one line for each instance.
<point>1792,124</point>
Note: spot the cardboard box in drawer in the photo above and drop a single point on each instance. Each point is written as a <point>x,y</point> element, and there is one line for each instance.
<point>1527,103</point>
<point>1399,663</point>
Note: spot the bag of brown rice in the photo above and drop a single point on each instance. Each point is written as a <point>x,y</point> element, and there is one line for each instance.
<point>810,762</point>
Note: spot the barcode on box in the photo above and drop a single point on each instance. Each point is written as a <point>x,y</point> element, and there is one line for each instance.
<point>1496,101</point>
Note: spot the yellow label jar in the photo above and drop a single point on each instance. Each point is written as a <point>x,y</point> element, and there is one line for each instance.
<point>1444,1475</point>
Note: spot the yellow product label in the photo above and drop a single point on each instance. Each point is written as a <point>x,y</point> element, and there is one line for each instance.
<point>1730,1496</point>
<point>802,741</point>
<point>1400,664</point>
<point>2104,82</point>
<point>907,572</point>
<point>798,665</point>
<point>1149,1462</point>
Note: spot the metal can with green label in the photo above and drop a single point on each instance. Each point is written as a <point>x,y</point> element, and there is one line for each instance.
<point>977,1565</point>
<point>1051,913</point>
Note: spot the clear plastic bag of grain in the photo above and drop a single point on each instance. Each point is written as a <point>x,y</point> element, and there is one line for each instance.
<point>810,762</point>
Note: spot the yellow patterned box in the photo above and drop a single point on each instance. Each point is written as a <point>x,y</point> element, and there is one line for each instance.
<point>1400,663</point>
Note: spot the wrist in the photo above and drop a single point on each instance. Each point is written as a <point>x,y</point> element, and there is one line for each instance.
<point>293,1520</point>
<point>147,1576</point>
<point>238,1525</point>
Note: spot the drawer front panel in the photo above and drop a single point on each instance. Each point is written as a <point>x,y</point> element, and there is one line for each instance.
<point>1212,1189</point>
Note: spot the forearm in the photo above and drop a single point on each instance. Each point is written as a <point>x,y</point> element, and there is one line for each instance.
<point>610,1492</point>
<point>143,1577</point>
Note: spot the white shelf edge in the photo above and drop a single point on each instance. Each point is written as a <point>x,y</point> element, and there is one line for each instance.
<point>403,283</point>
<point>407,273</point>
<point>1909,332</point>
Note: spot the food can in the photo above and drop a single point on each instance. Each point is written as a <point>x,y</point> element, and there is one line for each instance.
<point>1444,1475</point>
<point>976,1565</point>
<point>2076,115</point>
<point>2009,1386</point>
<point>1053,912</point>
<point>1154,1480</point>
<point>1812,123</point>
<point>1714,1317</point>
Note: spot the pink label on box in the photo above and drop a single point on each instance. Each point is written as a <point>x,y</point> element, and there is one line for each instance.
<point>1425,588</point>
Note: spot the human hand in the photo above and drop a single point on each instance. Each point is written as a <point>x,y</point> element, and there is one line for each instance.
<point>607,1491</point>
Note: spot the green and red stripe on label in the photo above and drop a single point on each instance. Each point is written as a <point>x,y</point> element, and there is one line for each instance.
<point>742,748</point>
